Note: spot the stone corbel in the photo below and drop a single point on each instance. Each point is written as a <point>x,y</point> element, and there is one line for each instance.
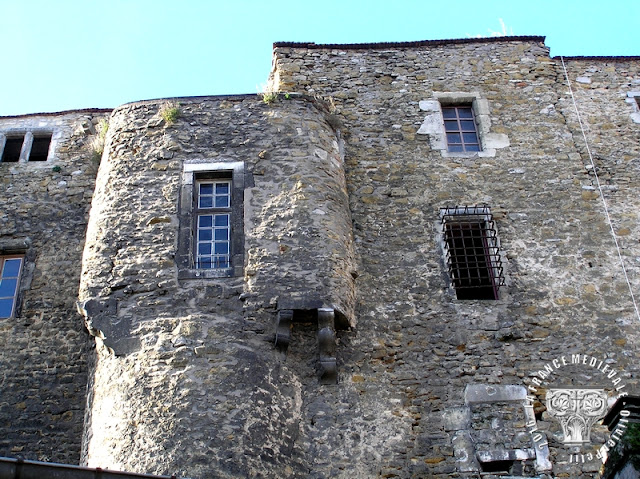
<point>283,328</point>
<point>326,340</point>
<point>327,346</point>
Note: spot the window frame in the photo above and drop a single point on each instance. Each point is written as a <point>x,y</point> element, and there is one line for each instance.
<point>196,172</point>
<point>473,253</point>
<point>17,290</point>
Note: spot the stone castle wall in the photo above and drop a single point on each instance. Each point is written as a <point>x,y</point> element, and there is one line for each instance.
<point>344,176</point>
<point>422,344</point>
<point>46,349</point>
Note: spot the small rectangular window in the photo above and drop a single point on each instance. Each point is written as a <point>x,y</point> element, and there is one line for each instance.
<point>10,269</point>
<point>213,223</point>
<point>40,147</point>
<point>473,256</point>
<point>12,148</point>
<point>460,128</point>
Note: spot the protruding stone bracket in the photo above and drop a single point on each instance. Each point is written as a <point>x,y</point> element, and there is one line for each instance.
<point>326,339</point>
<point>327,346</point>
<point>102,321</point>
<point>283,328</point>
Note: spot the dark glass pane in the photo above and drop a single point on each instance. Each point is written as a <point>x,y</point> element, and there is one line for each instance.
<point>222,188</point>
<point>449,112</point>
<point>8,287</point>
<point>470,137</point>
<point>12,148</point>
<point>205,263</point>
<point>473,147</point>
<point>206,202</point>
<point>454,138</point>
<point>467,125</point>
<point>222,248</point>
<point>455,148</point>
<point>205,221</point>
<point>450,125</point>
<point>222,263</point>
<point>5,308</point>
<point>40,148</point>
<point>465,113</point>
<point>11,267</point>
<point>205,235</point>
<point>204,248</point>
<point>206,188</point>
<point>222,220</point>
<point>222,234</point>
<point>222,201</point>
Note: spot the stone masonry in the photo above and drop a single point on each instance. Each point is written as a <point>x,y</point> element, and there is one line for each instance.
<point>46,350</point>
<point>335,345</point>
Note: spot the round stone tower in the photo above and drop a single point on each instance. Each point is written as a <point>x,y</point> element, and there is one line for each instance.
<point>219,225</point>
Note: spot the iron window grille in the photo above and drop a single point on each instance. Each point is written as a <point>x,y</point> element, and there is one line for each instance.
<point>472,252</point>
<point>460,128</point>
<point>10,270</point>
<point>213,222</point>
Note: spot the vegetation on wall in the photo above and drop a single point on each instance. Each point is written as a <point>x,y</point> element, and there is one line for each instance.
<point>97,144</point>
<point>170,112</point>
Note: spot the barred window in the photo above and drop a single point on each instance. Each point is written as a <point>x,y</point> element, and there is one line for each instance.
<point>460,128</point>
<point>472,252</point>
<point>10,269</point>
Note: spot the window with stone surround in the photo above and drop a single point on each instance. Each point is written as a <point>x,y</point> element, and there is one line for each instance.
<point>460,127</point>
<point>23,147</point>
<point>633,97</point>
<point>472,252</point>
<point>458,124</point>
<point>10,272</point>
<point>211,236</point>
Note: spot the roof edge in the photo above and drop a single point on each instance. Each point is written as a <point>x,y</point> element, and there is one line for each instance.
<point>422,43</point>
<point>59,113</point>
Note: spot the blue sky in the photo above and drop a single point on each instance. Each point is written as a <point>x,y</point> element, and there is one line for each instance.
<point>72,54</point>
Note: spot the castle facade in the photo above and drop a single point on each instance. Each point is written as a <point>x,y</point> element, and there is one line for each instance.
<point>403,260</point>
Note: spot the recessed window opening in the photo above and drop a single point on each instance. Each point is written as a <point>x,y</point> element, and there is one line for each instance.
<point>40,147</point>
<point>12,148</point>
<point>460,128</point>
<point>213,222</point>
<point>10,268</point>
<point>472,252</point>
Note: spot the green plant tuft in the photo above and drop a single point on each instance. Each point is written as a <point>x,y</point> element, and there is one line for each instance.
<point>269,97</point>
<point>170,112</point>
<point>56,169</point>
